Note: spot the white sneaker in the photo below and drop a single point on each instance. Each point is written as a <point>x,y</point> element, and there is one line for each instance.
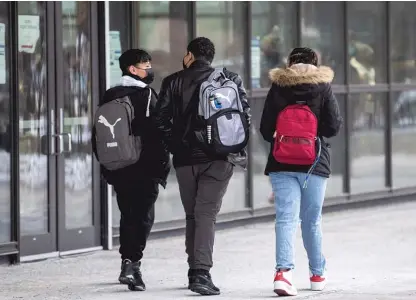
<point>283,284</point>
<point>318,283</point>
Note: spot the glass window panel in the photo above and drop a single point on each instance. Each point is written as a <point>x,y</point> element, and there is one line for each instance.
<point>213,7</point>
<point>32,119</point>
<point>403,42</point>
<point>77,113</point>
<point>367,42</point>
<point>152,7</point>
<point>4,124</point>
<point>258,155</point>
<point>273,36</point>
<point>404,138</point>
<point>335,186</point>
<point>119,37</point>
<point>224,27</point>
<point>165,36</point>
<point>325,35</point>
<point>368,142</point>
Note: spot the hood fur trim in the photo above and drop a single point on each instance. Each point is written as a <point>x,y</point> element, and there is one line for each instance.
<point>301,74</point>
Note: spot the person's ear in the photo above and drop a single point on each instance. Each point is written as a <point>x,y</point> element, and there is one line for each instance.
<point>132,70</point>
<point>191,58</point>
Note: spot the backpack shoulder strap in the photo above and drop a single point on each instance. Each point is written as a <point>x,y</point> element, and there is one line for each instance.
<point>217,73</point>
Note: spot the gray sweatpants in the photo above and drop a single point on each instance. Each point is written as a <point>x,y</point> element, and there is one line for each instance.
<point>202,188</point>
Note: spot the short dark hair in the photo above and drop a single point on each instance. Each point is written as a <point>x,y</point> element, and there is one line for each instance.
<point>133,57</point>
<point>303,55</point>
<point>202,48</point>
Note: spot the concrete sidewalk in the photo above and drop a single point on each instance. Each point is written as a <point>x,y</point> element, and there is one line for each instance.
<point>371,255</point>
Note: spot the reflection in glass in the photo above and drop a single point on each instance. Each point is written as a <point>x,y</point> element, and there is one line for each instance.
<point>4,126</point>
<point>32,119</point>
<point>403,45</point>
<point>164,34</point>
<point>367,42</point>
<point>404,138</point>
<point>273,34</point>
<point>325,35</point>
<point>368,142</point>
<point>224,28</point>
<point>259,153</point>
<point>77,114</point>
<point>338,153</point>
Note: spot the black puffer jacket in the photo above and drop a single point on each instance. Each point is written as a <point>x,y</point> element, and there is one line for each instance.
<point>302,83</point>
<point>177,109</point>
<point>154,162</point>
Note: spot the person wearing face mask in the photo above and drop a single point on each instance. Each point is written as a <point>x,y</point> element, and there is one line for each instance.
<point>202,176</point>
<point>136,185</point>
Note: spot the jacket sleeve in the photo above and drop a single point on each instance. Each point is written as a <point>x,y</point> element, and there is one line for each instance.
<point>164,112</point>
<point>269,115</point>
<point>331,119</point>
<point>241,91</point>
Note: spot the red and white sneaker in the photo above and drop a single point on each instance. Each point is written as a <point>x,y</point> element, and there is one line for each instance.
<point>283,284</point>
<point>318,283</point>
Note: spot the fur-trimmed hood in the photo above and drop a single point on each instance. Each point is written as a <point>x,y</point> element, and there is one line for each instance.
<point>301,74</point>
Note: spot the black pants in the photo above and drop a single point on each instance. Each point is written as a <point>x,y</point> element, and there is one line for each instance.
<point>202,188</point>
<point>136,203</point>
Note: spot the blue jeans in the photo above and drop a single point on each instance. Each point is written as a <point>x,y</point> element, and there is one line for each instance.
<point>292,203</point>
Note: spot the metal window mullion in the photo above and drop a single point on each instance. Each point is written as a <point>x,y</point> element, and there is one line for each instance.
<point>247,10</point>
<point>14,128</point>
<point>348,107</point>
<point>389,105</point>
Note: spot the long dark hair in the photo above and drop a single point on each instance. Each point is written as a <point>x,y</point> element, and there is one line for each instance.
<point>303,55</point>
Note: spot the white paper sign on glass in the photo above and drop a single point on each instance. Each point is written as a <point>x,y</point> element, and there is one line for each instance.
<point>29,33</point>
<point>115,53</point>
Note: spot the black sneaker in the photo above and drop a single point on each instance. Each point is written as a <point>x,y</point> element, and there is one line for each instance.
<point>126,272</point>
<point>191,278</point>
<point>136,283</point>
<point>203,284</point>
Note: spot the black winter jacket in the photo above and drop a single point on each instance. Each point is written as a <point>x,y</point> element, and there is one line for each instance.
<point>302,83</point>
<point>177,109</point>
<point>154,162</point>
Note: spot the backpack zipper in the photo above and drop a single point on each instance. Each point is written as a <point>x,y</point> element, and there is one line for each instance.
<point>148,103</point>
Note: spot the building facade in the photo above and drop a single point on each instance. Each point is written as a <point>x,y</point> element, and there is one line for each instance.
<point>57,59</point>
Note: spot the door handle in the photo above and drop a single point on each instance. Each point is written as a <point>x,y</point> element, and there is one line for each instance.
<point>64,134</point>
<point>48,142</point>
<point>48,145</point>
<point>67,134</point>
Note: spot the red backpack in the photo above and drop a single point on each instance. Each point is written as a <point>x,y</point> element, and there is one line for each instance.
<point>296,135</point>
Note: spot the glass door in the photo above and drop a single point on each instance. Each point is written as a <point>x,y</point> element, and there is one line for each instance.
<point>36,123</point>
<point>77,91</point>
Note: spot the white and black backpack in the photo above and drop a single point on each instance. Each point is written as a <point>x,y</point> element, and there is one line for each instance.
<point>116,145</point>
<point>227,130</point>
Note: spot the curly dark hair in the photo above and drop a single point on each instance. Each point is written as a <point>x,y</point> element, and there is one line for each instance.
<point>303,55</point>
<point>202,48</point>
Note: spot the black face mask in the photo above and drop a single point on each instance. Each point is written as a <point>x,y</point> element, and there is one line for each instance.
<point>150,76</point>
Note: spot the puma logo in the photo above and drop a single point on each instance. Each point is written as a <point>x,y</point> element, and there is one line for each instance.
<point>221,96</point>
<point>104,121</point>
